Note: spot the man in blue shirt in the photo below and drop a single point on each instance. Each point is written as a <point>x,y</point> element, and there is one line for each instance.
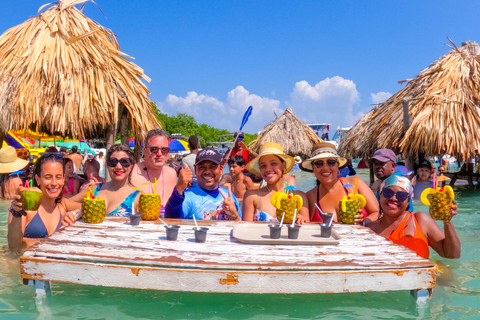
<point>206,200</point>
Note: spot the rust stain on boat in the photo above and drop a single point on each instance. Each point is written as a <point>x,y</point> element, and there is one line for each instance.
<point>229,280</point>
<point>135,271</point>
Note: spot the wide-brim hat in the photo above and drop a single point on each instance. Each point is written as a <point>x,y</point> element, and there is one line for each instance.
<point>322,150</point>
<point>273,149</point>
<point>9,162</point>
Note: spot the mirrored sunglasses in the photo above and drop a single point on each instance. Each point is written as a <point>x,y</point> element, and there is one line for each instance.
<point>400,195</point>
<point>319,163</point>
<point>164,150</point>
<point>124,162</point>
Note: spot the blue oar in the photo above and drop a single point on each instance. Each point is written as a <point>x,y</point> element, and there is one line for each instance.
<point>246,115</point>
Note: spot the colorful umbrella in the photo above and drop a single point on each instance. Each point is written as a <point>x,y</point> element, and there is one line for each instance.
<point>178,145</point>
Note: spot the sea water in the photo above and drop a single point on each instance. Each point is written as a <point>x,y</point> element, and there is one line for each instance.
<point>456,296</point>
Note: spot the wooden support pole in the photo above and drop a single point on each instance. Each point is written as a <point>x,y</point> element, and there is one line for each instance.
<point>407,120</point>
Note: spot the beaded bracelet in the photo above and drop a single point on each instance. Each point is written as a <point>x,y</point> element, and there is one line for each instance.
<point>17,214</point>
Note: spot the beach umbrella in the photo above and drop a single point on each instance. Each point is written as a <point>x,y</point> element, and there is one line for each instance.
<point>81,145</point>
<point>444,112</point>
<point>295,137</point>
<point>178,145</point>
<point>63,72</point>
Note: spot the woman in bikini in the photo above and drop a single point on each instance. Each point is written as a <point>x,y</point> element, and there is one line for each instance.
<point>26,227</point>
<point>119,194</point>
<point>72,184</point>
<point>416,231</point>
<point>271,164</point>
<point>330,189</point>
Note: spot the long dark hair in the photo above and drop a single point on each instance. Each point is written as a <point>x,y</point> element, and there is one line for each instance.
<point>4,177</point>
<point>38,170</point>
<point>121,147</point>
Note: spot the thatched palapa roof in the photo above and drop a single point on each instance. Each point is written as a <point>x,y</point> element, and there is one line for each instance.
<point>61,72</point>
<point>444,110</point>
<point>295,137</point>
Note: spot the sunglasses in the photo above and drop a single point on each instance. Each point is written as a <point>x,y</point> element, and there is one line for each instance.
<point>239,139</point>
<point>124,162</point>
<point>400,195</point>
<point>57,155</point>
<point>164,150</point>
<point>319,164</point>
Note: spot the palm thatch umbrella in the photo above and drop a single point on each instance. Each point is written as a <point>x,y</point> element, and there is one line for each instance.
<point>61,72</point>
<point>444,108</point>
<point>295,137</point>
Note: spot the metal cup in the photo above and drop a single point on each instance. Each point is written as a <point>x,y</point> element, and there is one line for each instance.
<point>293,231</point>
<point>200,234</point>
<point>172,232</point>
<point>326,217</point>
<point>135,219</point>
<point>326,230</point>
<point>275,231</point>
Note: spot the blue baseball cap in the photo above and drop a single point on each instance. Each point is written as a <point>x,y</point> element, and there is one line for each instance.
<point>403,170</point>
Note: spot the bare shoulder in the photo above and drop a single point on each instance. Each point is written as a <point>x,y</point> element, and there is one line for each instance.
<point>312,192</point>
<point>170,172</point>
<point>249,193</point>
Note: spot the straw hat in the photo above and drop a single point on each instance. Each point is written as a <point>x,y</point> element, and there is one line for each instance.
<point>298,160</point>
<point>322,150</point>
<point>9,162</point>
<point>270,148</point>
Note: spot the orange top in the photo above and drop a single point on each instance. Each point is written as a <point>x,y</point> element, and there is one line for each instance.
<point>417,243</point>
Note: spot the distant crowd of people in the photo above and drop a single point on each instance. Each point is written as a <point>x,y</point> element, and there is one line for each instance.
<point>195,186</point>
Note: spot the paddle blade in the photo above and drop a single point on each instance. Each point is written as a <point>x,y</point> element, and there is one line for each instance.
<point>245,117</point>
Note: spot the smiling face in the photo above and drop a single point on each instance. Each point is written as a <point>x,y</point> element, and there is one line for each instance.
<point>119,172</point>
<point>51,179</point>
<point>69,169</point>
<point>155,160</point>
<point>208,174</point>
<point>271,168</point>
<point>383,170</point>
<point>326,174</point>
<point>392,206</point>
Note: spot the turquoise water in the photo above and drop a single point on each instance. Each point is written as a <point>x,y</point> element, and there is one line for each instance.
<point>457,295</point>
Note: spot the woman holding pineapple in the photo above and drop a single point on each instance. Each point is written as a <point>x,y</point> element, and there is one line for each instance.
<point>271,164</point>
<point>331,191</point>
<point>44,210</point>
<point>416,231</point>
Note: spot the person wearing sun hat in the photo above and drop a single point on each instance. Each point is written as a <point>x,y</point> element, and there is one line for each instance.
<point>9,162</point>
<point>271,164</point>
<point>324,163</point>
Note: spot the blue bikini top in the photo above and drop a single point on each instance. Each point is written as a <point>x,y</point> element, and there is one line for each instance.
<point>125,208</point>
<point>36,228</point>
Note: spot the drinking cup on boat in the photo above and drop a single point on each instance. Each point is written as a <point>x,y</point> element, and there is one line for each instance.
<point>275,231</point>
<point>172,232</point>
<point>326,230</point>
<point>293,231</point>
<point>200,234</point>
<point>135,219</point>
<point>326,217</point>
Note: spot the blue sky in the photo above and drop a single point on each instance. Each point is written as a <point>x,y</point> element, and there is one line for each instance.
<point>327,60</point>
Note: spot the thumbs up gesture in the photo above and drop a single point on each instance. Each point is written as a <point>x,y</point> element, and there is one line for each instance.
<point>185,176</point>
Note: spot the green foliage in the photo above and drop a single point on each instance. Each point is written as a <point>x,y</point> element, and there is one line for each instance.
<point>187,126</point>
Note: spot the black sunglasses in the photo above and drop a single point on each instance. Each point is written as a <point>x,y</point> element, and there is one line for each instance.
<point>57,155</point>
<point>164,150</point>
<point>319,164</point>
<point>124,162</point>
<point>400,195</point>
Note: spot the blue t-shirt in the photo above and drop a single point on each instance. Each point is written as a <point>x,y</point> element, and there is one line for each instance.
<point>418,189</point>
<point>204,204</point>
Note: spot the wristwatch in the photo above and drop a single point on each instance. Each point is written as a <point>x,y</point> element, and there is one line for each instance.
<point>17,214</point>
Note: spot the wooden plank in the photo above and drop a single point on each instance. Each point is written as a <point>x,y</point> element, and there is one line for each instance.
<point>228,281</point>
<point>115,242</point>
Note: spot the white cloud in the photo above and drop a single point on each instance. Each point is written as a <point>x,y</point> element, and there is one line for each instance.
<point>331,100</point>
<point>380,97</point>
<point>228,114</point>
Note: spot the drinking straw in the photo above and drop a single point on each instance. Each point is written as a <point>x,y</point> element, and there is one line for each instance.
<point>91,192</point>
<point>294,218</point>
<point>319,208</point>
<point>355,185</point>
<point>26,185</point>
<point>138,190</point>
<point>330,223</point>
<point>30,183</point>
<point>164,222</point>
<point>283,216</point>
<point>434,180</point>
<point>155,186</point>
<point>194,219</point>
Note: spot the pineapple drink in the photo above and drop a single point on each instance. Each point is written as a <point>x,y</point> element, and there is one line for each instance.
<point>93,209</point>
<point>149,206</point>
<point>350,206</point>
<point>440,202</point>
<point>286,203</point>
<point>31,198</point>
